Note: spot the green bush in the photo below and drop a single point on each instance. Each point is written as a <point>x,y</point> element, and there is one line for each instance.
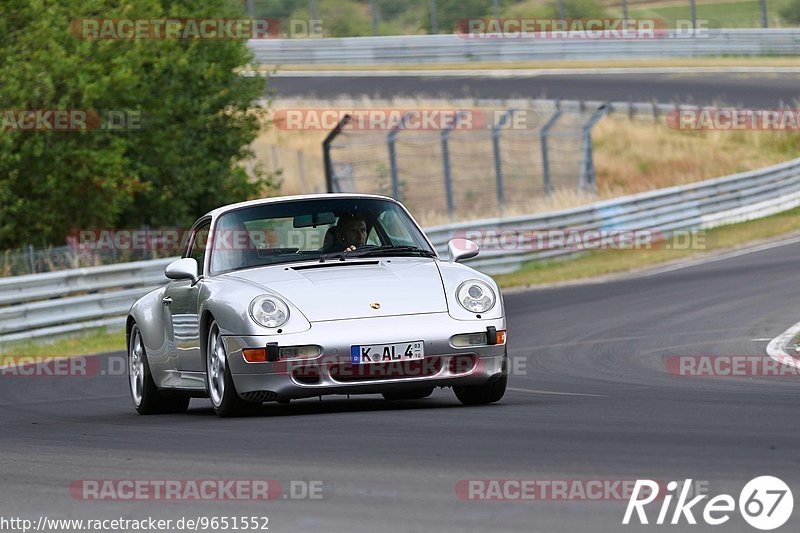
<point>450,12</point>
<point>197,121</point>
<point>790,12</point>
<point>576,9</point>
<point>340,18</point>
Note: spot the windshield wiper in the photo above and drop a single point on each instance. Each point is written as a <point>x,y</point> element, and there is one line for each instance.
<point>388,249</point>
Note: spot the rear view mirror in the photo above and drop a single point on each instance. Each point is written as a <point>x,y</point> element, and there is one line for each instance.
<point>461,249</point>
<point>314,219</point>
<point>185,268</point>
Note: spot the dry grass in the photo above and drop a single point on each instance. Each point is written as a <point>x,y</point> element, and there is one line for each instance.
<point>640,155</point>
<point>630,155</point>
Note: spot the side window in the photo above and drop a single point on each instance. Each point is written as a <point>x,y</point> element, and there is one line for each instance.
<point>198,249</point>
<point>395,229</point>
<point>373,238</point>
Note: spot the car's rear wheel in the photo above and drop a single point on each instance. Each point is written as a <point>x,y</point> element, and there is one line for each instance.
<point>219,383</point>
<point>412,394</point>
<point>490,392</point>
<point>147,398</point>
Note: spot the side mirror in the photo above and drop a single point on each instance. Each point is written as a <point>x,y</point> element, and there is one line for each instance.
<point>185,268</point>
<point>461,249</point>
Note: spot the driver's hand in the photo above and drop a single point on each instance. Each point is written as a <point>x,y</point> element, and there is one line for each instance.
<point>351,248</point>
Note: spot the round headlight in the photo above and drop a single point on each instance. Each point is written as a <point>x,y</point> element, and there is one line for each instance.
<point>269,311</point>
<point>475,296</point>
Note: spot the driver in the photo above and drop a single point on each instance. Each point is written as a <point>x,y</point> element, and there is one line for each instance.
<point>350,233</point>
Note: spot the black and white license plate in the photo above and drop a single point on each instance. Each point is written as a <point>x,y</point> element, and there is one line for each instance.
<point>387,353</point>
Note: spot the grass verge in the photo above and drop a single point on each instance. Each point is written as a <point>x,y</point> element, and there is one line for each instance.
<point>601,263</point>
<point>100,340</point>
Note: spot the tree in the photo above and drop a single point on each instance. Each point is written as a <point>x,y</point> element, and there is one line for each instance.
<point>790,12</point>
<point>197,118</point>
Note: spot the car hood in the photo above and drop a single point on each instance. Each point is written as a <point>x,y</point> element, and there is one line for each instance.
<point>339,290</point>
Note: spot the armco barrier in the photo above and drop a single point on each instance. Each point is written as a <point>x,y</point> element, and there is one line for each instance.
<point>40,305</point>
<point>60,302</point>
<point>417,49</point>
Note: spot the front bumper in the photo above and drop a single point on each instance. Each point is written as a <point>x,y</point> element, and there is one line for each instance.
<point>331,373</point>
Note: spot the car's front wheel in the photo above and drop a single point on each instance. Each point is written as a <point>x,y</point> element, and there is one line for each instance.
<point>490,392</point>
<point>147,399</point>
<point>219,383</point>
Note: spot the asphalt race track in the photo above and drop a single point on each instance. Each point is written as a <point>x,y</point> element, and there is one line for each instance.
<point>747,90</point>
<point>590,399</point>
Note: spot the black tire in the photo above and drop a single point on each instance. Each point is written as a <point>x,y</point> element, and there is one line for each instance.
<point>150,400</point>
<point>412,394</point>
<point>490,392</point>
<point>226,402</point>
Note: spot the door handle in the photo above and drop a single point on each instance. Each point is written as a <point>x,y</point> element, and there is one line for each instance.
<point>166,301</point>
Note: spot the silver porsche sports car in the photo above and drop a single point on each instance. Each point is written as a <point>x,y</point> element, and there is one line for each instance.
<point>304,296</point>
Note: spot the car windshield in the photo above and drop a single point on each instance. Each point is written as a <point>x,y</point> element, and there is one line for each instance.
<point>306,230</point>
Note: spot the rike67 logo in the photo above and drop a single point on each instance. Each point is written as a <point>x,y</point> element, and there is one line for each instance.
<point>765,503</point>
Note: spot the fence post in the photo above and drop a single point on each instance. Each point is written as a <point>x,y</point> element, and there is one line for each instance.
<point>390,143</point>
<point>548,188</point>
<point>301,170</point>
<point>312,8</point>
<point>31,260</point>
<point>275,163</point>
<point>434,18</point>
<point>326,153</point>
<point>373,11</point>
<point>587,177</point>
<point>498,165</point>
<point>448,178</point>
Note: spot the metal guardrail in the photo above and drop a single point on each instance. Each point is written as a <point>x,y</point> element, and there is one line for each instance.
<point>62,302</point>
<point>40,305</point>
<point>701,205</point>
<point>452,48</point>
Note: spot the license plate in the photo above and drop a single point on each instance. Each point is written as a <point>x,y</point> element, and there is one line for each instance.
<point>387,353</point>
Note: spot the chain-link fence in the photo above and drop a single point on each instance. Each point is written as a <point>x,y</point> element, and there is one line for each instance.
<point>32,260</point>
<point>482,160</point>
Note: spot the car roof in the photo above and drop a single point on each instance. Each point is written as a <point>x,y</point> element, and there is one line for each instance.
<point>277,199</point>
